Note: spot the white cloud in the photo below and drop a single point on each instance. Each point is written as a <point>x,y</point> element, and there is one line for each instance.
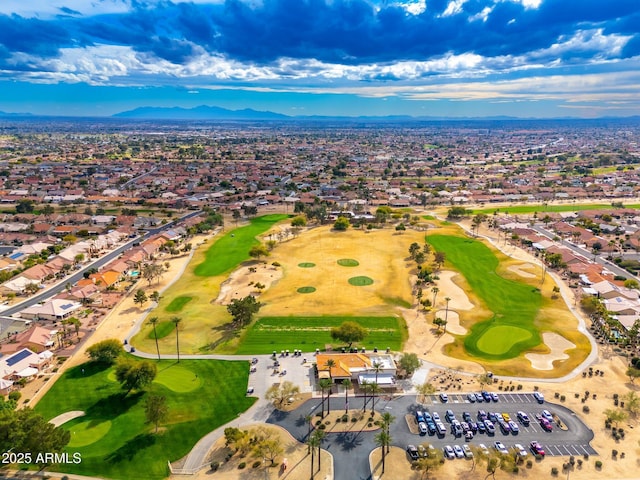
<point>44,9</point>
<point>454,7</point>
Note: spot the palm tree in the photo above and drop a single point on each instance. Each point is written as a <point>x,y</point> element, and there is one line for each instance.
<point>347,384</point>
<point>153,321</point>
<point>176,321</point>
<point>383,439</point>
<point>435,291</point>
<point>308,419</point>
<point>324,384</point>
<point>319,434</point>
<point>364,385</point>
<point>313,443</point>
<point>387,420</point>
<point>375,389</point>
<point>446,313</point>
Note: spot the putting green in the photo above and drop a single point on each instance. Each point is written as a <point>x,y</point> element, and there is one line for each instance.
<point>500,339</point>
<point>88,432</point>
<point>178,379</point>
<point>306,289</point>
<point>348,262</point>
<point>360,281</point>
<point>306,265</point>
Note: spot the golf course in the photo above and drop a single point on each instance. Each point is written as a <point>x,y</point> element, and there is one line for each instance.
<point>113,437</point>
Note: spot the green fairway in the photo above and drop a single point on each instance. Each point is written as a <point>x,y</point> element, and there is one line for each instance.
<point>308,333</point>
<point>306,289</point>
<point>306,265</point>
<point>360,281</point>
<point>233,248</point>
<point>113,437</point>
<point>348,262</point>
<point>162,329</point>
<point>542,209</point>
<point>177,304</point>
<point>514,304</point>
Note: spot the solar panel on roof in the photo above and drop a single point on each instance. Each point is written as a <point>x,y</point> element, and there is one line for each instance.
<point>16,255</point>
<point>66,306</point>
<point>21,355</point>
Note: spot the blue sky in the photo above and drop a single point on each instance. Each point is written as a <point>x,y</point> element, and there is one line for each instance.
<point>526,58</point>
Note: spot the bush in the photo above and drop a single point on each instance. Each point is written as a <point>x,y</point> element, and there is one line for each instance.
<point>215,466</point>
<point>15,395</point>
<point>345,418</point>
<point>585,408</point>
<point>354,419</point>
<point>241,465</point>
<point>529,463</point>
<point>322,426</point>
<point>554,471</point>
<point>598,464</point>
<point>562,398</point>
<point>256,464</point>
<point>276,264</point>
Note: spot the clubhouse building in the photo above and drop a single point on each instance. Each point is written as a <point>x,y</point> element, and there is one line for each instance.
<point>377,368</point>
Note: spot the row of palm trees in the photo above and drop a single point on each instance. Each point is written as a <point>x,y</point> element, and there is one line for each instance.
<point>175,320</point>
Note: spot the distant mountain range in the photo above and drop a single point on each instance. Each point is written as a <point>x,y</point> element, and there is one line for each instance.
<point>6,114</point>
<point>202,112</point>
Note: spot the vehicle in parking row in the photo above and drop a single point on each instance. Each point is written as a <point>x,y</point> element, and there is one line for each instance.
<point>546,424</point>
<point>441,428</point>
<point>450,416</point>
<point>513,426</point>
<point>482,415</point>
<point>435,416</point>
<point>466,416</point>
<point>504,426</point>
<point>412,451</point>
<point>505,416</point>
<point>422,451</point>
<point>494,396</point>
<point>457,449</point>
<point>422,428</point>
<point>467,451</point>
<point>444,398</point>
<point>471,397</point>
<point>547,414</point>
<point>521,452</point>
<point>536,448</point>
<point>491,429</point>
<point>486,396</point>
<point>419,416</point>
<point>539,397</point>
<point>499,446</point>
<point>448,452</point>
<point>524,418</point>
<point>483,448</point>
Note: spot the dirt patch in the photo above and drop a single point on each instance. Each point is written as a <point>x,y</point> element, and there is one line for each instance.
<point>522,271</point>
<point>295,456</point>
<point>243,281</point>
<point>65,417</point>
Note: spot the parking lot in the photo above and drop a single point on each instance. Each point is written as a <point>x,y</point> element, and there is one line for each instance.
<point>572,439</point>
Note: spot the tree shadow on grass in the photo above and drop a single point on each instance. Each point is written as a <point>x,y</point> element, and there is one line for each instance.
<point>114,405</point>
<point>130,448</point>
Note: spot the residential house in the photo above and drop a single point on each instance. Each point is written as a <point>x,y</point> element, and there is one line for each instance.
<point>55,309</point>
<point>24,364</point>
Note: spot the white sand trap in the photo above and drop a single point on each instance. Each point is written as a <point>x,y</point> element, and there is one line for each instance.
<point>453,322</point>
<point>459,299</point>
<point>65,417</point>
<point>557,344</point>
<point>520,270</point>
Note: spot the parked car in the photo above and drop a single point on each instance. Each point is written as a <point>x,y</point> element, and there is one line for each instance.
<point>482,428</point>
<point>486,396</point>
<point>494,396</point>
<point>422,428</point>
<point>422,451</point>
<point>435,416</point>
<point>448,452</point>
<point>471,397</point>
<point>504,426</point>
<point>536,448</point>
<point>539,397</point>
<point>520,450</point>
<point>467,451</point>
<point>412,451</point>
<point>506,417</point>
<point>441,428</point>
<point>524,418</point>
<point>482,415</point>
<point>473,426</point>
<point>450,416</point>
<point>513,426</point>
<point>499,446</point>
<point>494,417</point>
<point>468,436</point>
<point>466,416</point>
<point>491,429</point>
<point>444,398</point>
<point>479,398</point>
<point>546,424</point>
<point>547,414</point>
<point>483,448</point>
<point>457,449</point>
<point>419,416</point>
<point>456,428</point>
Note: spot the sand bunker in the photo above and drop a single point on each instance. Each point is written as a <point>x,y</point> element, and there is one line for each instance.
<point>453,322</point>
<point>521,270</point>
<point>242,282</point>
<point>557,344</point>
<point>447,288</point>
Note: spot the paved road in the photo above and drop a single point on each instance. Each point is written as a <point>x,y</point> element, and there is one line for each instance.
<point>72,279</point>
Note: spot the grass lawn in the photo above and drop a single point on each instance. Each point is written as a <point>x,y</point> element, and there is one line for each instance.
<point>233,248</point>
<point>360,281</point>
<point>178,303</point>
<point>542,209</point>
<point>308,333</point>
<point>113,438</point>
<point>514,304</point>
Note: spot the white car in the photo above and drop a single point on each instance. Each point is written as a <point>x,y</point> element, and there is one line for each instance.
<point>467,451</point>
<point>521,451</point>
<point>457,449</point>
<point>448,452</point>
<point>483,448</point>
<point>499,446</point>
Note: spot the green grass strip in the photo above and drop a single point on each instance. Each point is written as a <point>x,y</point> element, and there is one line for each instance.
<point>308,333</point>
<point>542,209</point>
<point>177,304</point>
<point>129,448</point>
<point>360,281</point>
<point>348,262</point>
<point>513,303</point>
<point>233,247</point>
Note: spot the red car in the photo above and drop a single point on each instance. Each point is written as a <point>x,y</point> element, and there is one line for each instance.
<point>546,424</point>
<point>536,448</point>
